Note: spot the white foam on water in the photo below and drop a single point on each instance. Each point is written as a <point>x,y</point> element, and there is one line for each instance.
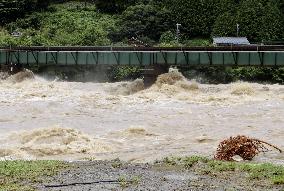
<point>50,141</point>
<point>109,120</point>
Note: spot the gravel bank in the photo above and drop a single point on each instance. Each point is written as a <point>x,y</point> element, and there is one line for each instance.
<point>115,175</point>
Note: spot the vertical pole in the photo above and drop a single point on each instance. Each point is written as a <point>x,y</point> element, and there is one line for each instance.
<point>76,58</point>
<point>37,59</point>
<point>118,57</point>
<point>187,58</point>
<point>237,58</point>
<point>46,57</point>
<point>129,59</point>
<point>18,56</point>
<point>66,57</point>
<point>178,31</point>
<point>28,58</point>
<point>275,59</point>
<point>97,61</point>
<point>7,62</point>
<point>238,29</point>
<point>56,57</point>
<point>156,58</point>
<point>249,59</point>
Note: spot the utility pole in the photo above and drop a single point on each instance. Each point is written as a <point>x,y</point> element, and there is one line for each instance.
<point>238,29</point>
<point>178,32</point>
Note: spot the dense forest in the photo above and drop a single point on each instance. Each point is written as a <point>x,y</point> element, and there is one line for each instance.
<point>114,22</point>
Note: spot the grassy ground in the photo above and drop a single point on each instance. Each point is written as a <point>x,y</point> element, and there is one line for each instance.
<point>22,175</point>
<point>195,173</point>
<point>270,173</point>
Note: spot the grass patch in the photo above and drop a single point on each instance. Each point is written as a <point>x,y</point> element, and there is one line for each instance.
<point>263,171</point>
<point>266,172</point>
<point>22,175</point>
<point>190,161</point>
<point>125,183</point>
<point>116,163</point>
<point>219,166</point>
<point>187,162</point>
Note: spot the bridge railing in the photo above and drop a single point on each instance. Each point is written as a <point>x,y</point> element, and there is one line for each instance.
<point>227,56</point>
<point>147,49</point>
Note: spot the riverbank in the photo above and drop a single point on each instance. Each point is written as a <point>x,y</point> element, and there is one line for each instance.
<point>187,173</point>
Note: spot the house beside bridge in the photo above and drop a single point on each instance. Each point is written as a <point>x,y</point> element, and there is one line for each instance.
<point>230,41</point>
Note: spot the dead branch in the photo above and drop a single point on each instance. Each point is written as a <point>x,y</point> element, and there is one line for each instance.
<point>243,146</point>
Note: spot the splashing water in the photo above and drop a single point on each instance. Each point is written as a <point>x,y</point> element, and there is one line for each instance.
<point>50,142</point>
<point>4,75</point>
<point>170,78</point>
<point>21,76</point>
<point>127,88</point>
<point>242,89</point>
<point>134,132</point>
<point>109,120</point>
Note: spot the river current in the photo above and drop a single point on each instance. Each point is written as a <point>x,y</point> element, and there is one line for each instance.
<point>42,119</point>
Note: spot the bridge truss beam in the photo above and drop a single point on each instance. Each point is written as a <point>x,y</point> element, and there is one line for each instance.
<point>142,58</point>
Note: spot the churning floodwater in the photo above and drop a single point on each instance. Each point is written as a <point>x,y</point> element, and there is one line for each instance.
<point>42,119</point>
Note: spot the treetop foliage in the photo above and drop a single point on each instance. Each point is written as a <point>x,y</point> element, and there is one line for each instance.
<point>101,22</point>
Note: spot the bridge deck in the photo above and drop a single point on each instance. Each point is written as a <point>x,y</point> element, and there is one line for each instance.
<point>202,56</point>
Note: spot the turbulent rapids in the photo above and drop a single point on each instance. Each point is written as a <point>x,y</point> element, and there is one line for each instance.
<point>42,119</point>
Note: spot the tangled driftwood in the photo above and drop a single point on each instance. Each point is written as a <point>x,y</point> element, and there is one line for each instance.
<point>243,146</point>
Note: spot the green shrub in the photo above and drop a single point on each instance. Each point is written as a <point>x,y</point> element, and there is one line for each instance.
<point>121,73</point>
<point>68,24</point>
<point>230,74</point>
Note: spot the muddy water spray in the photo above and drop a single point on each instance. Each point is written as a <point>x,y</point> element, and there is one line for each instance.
<point>42,119</point>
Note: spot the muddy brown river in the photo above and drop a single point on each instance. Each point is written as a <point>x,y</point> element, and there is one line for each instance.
<point>42,119</point>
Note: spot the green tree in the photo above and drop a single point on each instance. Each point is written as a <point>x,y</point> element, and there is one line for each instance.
<point>144,20</point>
<point>223,6</point>
<point>196,16</point>
<point>272,22</point>
<point>10,10</point>
<point>225,25</point>
<point>168,39</point>
<point>113,6</point>
<point>259,20</point>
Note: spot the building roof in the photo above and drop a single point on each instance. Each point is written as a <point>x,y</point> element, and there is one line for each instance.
<point>231,40</point>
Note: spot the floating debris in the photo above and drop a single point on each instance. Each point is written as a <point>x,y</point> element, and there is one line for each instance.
<point>243,146</point>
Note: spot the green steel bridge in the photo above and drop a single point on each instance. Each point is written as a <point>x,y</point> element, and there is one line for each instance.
<point>144,56</point>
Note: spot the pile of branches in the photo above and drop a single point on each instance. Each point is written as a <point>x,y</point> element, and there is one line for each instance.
<point>243,146</point>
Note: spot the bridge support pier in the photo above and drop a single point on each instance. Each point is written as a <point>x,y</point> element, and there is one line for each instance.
<point>151,73</point>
